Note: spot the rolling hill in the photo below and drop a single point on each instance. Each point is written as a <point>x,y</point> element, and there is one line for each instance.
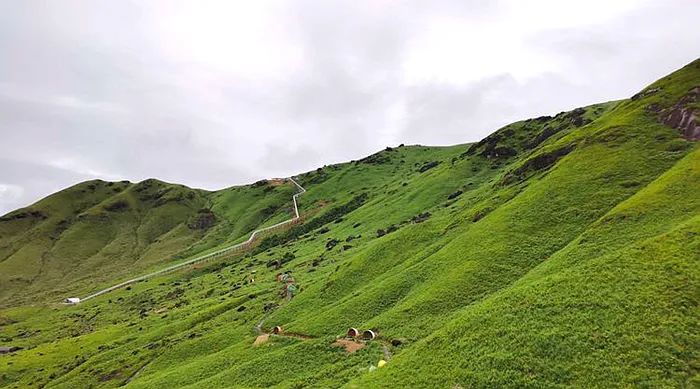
<point>558,251</point>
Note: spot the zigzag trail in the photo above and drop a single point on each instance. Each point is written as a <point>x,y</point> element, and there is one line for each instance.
<point>209,256</point>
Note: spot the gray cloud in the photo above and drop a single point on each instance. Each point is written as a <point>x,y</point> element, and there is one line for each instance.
<point>212,94</point>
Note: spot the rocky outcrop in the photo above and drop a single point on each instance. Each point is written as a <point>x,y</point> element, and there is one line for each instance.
<point>204,220</point>
<point>683,116</point>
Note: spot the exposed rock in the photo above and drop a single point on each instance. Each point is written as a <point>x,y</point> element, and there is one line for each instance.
<point>454,195</point>
<point>682,117</point>
<point>653,107</point>
<point>427,166</point>
<point>645,93</point>
<point>204,220</point>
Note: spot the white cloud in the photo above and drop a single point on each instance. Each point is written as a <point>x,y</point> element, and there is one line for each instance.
<point>216,93</point>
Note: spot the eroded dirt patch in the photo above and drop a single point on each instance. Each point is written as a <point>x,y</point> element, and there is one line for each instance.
<point>261,339</point>
<point>350,345</point>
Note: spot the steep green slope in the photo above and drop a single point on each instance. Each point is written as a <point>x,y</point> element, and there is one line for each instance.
<point>624,290</point>
<point>558,251</point>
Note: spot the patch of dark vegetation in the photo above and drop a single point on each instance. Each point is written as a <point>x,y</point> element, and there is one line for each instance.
<point>269,210</point>
<point>536,164</point>
<point>454,195</point>
<point>117,206</point>
<point>480,214</point>
<point>545,134</point>
<point>331,244</point>
<point>352,237</point>
<point>630,184</point>
<point>493,146</point>
<point>278,263</point>
<point>259,184</point>
<point>110,376</point>
<point>421,217</point>
<point>203,220</point>
<point>270,306</point>
<point>299,230</point>
<point>323,230</point>
<point>24,214</point>
<point>381,232</point>
<point>509,141</point>
<point>175,293</point>
<point>375,159</point>
<point>427,166</point>
<point>60,228</point>
<point>176,197</point>
<point>575,117</point>
<point>559,123</point>
<point>314,178</point>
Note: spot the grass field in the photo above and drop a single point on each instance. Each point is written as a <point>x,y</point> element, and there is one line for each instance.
<point>557,252</point>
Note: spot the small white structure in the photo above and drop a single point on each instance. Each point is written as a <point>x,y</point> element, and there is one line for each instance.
<point>72,300</point>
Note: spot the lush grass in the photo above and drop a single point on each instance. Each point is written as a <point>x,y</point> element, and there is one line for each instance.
<point>559,251</point>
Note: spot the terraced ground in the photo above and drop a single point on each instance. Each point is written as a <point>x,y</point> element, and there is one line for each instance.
<point>558,251</point>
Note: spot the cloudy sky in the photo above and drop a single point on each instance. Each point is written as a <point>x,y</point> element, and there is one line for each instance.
<point>212,94</point>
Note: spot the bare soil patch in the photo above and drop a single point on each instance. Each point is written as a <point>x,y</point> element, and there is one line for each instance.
<point>261,339</point>
<point>350,345</point>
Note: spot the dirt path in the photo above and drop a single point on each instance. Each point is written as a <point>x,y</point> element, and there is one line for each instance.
<point>137,372</point>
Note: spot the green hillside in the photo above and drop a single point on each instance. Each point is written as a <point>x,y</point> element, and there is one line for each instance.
<point>97,231</point>
<point>559,251</point>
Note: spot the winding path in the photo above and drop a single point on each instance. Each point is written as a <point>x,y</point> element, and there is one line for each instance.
<point>209,256</point>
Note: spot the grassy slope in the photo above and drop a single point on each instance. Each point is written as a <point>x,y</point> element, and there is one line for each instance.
<point>96,231</point>
<point>569,258</point>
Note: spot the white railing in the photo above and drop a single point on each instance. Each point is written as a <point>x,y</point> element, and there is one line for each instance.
<point>209,256</point>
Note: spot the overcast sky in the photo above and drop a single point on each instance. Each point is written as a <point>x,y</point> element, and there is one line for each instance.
<point>212,94</point>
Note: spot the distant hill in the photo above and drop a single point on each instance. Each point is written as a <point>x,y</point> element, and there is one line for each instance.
<point>559,251</point>
<point>97,231</point>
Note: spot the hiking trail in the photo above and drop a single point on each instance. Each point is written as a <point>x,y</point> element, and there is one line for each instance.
<point>205,257</point>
